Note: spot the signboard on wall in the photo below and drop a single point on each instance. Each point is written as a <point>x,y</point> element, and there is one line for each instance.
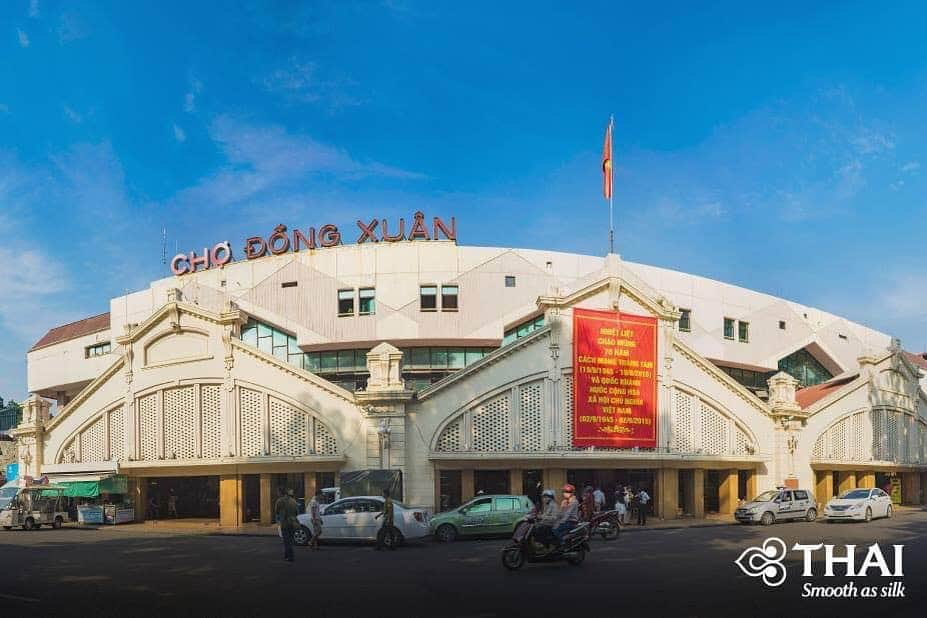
<point>614,379</point>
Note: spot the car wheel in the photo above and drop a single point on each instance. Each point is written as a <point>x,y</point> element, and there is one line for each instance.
<point>29,524</point>
<point>301,536</point>
<point>811,515</point>
<point>767,519</point>
<point>868,514</point>
<point>513,558</point>
<point>446,533</point>
<point>393,539</point>
<point>58,523</point>
<point>889,512</point>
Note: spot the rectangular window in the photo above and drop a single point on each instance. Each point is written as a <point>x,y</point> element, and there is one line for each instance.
<point>510,281</point>
<point>97,350</point>
<point>288,284</point>
<point>456,358</point>
<point>311,362</point>
<point>448,298</point>
<point>438,358</point>
<point>743,332</point>
<point>428,298</point>
<point>329,362</point>
<point>844,337</point>
<point>781,324</point>
<point>473,355</point>
<point>728,328</point>
<point>366,304</point>
<point>421,358</point>
<point>345,303</point>
<point>685,324</point>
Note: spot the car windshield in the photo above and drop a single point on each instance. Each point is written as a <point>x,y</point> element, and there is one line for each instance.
<point>855,494</point>
<point>766,496</point>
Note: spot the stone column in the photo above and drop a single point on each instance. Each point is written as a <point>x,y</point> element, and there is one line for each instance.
<point>515,482</point>
<point>788,417</point>
<point>668,493</point>
<point>728,498</point>
<point>138,488</point>
<point>910,488</point>
<point>865,479</point>
<point>267,500</point>
<point>751,484</point>
<point>230,501</point>
<point>846,480</point>
<point>466,485</point>
<point>824,486</point>
<point>309,484</point>
<point>698,493</point>
<point>555,478</point>
<point>30,436</point>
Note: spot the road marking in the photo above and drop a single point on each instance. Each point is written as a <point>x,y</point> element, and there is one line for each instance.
<point>14,597</point>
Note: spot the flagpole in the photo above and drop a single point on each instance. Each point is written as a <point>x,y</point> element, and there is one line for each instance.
<point>611,199</point>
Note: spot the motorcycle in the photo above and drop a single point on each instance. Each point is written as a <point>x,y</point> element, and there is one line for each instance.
<point>607,524</point>
<point>524,548</point>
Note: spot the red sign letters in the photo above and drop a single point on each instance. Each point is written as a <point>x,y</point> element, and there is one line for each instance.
<point>614,379</point>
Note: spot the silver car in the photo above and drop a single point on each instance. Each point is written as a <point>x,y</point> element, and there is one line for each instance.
<point>778,505</point>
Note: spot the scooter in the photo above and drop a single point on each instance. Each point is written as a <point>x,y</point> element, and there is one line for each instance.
<point>607,524</point>
<point>524,548</point>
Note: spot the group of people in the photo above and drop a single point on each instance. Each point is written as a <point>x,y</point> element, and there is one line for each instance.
<point>631,502</point>
<point>556,519</point>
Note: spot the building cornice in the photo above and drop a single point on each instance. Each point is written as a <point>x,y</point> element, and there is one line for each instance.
<point>661,308</point>
<point>173,310</point>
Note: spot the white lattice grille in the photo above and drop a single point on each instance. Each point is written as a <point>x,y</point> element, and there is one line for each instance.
<point>857,449</point>
<point>714,431</point>
<point>180,423</point>
<point>878,434</point>
<point>741,442</point>
<point>289,430</point>
<point>212,421</point>
<point>251,423</point>
<point>325,443</point>
<point>682,422</point>
<point>117,433</point>
<point>567,398</point>
<point>891,436</point>
<point>91,442</point>
<point>817,452</point>
<point>530,423</point>
<point>922,441</point>
<point>910,455</point>
<point>148,427</point>
<point>69,453</point>
<point>449,440</point>
<point>491,425</point>
<point>838,441</point>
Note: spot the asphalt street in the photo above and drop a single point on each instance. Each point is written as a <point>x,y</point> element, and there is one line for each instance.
<point>681,572</point>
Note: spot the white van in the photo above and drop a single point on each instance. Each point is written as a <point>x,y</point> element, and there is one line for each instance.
<point>34,506</point>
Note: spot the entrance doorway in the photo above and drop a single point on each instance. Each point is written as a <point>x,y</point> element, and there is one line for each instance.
<point>251,487</point>
<point>531,485</point>
<point>609,480</point>
<point>193,496</point>
<point>491,481</point>
<point>712,491</point>
<point>450,490</point>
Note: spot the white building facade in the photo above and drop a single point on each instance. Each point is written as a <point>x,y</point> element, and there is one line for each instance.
<point>450,368</point>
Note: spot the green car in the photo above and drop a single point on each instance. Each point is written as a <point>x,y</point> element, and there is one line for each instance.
<point>481,516</point>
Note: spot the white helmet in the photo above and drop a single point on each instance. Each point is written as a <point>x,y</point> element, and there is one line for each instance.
<point>549,493</point>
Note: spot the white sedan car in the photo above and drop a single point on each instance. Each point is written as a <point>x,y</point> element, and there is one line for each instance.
<point>859,504</point>
<point>353,519</point>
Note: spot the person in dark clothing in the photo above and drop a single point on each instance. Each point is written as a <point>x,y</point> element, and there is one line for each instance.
<point>285,510</point>
<point>386,527</point>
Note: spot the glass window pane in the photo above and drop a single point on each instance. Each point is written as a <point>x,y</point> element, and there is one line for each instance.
<point>249,334</point>
<point>265,344</point>
<point>296,360</point>
<point>509,337</point>
<point>263,330</point>
<point>438,358</point>
<point>329,361</point>
<point>366,303</point>
<point>366,292</point>
<point>448,297</point>
<point>280,352</point>
<point>279,338</point>
<point>345,360</point>
<point>429,290</point>
<point>292,348</point>
<point>455,358</point>
<point>421,358</point>
<point>428,298</point>
<point>743,331</point>
<point>312,362</point>
<point>473,355</point>
<point>345,294</point>
<point>509,281</point>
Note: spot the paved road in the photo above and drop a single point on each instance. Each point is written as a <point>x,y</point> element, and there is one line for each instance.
<point>653,573</point>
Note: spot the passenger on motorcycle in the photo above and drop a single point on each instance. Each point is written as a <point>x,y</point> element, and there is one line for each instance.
<point>547,518</point>
<point>569,512</point>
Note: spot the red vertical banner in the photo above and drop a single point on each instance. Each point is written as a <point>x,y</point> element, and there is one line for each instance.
<point>614,379</point>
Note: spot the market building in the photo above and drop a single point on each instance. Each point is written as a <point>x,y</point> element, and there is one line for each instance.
<point>450,369</point>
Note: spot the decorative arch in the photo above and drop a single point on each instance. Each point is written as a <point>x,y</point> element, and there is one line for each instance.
<point>509,419</point>
<point>100,438</point>
<point>176,346</point>
<point>874,434</point>
<point>699,424</point>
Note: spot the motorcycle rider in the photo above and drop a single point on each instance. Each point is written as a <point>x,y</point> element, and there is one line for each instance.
<point>569,512</point>
<point>547,518</point>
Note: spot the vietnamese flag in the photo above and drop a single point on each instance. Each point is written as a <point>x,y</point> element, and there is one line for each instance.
<point>607,162</point>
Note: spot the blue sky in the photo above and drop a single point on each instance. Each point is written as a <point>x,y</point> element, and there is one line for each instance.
<point>780,148</point>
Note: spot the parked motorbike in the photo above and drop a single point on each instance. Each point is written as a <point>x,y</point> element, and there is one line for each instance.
<point>524,548</point>
<point>607,524</point>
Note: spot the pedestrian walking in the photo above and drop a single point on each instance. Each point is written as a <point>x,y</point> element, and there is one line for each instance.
<point>643,498</point>
<point>315,516</point>
<point>285,510</point>
<point>172,504</point>
<point>598,497</point>
<point>621,505</point>
<point>386,527</point>
<point>588,504</point>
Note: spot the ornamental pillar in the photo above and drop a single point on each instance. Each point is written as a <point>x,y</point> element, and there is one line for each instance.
<point>30,436</point>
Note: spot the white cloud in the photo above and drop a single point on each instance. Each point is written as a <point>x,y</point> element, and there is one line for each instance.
<point>23,38</point>
<point>302,82</point>
<point>72,115</point>
<point>911,166</point>
<point>179,134</point>
<point>189,99</point>
<point>267,162</point>
<point>33,8</point>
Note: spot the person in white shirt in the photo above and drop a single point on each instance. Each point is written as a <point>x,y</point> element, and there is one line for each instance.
<point>598,497</point>
<point>643,498</point>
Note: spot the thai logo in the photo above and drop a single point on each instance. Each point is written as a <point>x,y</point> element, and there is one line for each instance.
<point>765,561</point>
